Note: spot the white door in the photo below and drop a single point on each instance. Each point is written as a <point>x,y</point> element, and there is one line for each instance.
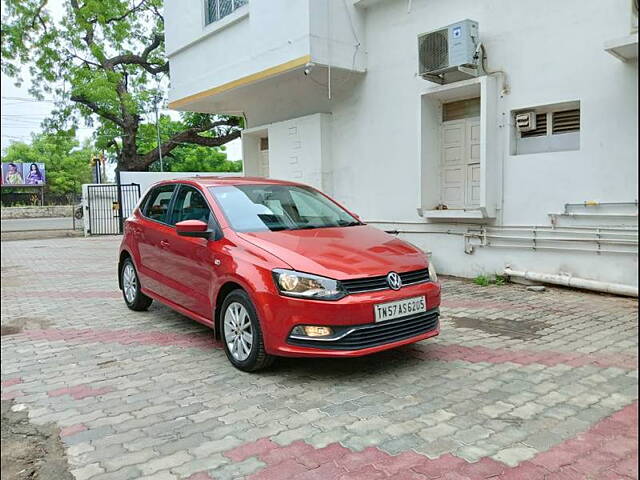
<point>460,186</point>
<point>453,163</point>
<point>263,167</point>
<point>473,162</point>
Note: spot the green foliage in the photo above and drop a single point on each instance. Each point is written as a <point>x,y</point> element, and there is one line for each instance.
<point>486,280</point>
<point>500,280</point>
<point>71,52</point>
<point>67,163</point>
<point>482,280</point>
<point>202,159</point>
<point>104,64</point>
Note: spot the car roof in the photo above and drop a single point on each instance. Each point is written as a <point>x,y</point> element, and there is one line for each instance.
<point>215,181</point>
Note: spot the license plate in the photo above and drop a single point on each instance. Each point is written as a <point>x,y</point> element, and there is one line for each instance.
<point>400,308</point>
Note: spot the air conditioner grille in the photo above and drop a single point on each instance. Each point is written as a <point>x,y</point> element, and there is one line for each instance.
<point>434,51</point>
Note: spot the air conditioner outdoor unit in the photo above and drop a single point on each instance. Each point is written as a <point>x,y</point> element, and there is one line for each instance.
<point>449,49</point>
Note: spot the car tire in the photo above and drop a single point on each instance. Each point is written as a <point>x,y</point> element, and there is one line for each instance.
<point>133,297</point>
<point>239,325</point>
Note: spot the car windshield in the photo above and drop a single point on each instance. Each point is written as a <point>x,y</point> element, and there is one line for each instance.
<point>258,208</point>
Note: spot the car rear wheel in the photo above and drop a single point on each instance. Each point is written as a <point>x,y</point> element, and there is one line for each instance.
<point>241,334</point>
<point>133,297</point>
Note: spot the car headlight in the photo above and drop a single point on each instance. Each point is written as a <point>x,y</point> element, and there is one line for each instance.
<point>433,276</point>
<point>306,285</point>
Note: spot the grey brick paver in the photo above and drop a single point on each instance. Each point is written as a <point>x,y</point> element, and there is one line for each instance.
<point>210,462</point>
<point>215,446</point>
<point>87,472</point>
<point>134,458</point>
<point>171,404</point>
<point>164,463</point>
<point>514,455</point>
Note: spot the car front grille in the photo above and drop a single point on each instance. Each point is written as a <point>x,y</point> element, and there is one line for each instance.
<point>370,335</point>
<point>368,284</point>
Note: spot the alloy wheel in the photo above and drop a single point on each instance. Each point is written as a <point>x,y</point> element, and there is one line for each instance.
<point>238,332</point>
<point>129,283</point>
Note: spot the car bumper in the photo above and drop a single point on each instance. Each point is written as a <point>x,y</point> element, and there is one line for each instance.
<point>352,319</point>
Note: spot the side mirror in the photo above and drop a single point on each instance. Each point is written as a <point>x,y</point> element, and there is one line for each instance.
<point>193,228</point>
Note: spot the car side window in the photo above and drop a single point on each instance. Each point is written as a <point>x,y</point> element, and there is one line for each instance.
<point>190,205</point>
<point>157,207</point>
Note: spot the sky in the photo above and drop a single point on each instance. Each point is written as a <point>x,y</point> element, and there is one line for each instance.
<point>22,114</point>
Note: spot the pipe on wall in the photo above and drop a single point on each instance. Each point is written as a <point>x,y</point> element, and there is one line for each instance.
<point>574,282</point>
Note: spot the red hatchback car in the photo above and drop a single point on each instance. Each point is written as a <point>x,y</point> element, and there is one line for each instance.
<point>276,269</point>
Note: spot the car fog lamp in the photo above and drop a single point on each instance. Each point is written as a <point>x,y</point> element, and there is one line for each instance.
<point>312,331</point>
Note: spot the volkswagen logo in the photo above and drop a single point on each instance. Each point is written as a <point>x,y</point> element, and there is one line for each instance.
<point>394,281</point>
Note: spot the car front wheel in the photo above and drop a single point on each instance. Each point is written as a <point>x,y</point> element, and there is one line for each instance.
<point>133,297</point>
<point>241,334</point>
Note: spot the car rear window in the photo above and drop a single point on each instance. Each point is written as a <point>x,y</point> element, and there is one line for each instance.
<point>157,207</point>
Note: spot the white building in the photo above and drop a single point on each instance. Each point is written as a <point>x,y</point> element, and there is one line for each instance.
<point>332,96</point>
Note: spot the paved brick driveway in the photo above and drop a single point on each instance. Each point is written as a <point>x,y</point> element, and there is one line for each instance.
<point>519,385</point>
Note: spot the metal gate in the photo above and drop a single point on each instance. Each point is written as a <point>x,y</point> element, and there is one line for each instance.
<point>109,205</point>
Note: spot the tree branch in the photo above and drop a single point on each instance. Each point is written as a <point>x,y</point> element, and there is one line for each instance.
<point>190,136</point>
<point>126,14</point>
<point>88,29</point>
<point>37,16</point>
<point>141,60</point>
<point>95,108</point>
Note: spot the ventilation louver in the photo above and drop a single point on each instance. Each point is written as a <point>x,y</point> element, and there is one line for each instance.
<point>566,121</point>
<point>541,127</point>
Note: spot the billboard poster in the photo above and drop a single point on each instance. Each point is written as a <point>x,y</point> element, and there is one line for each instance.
<point>23,174</point>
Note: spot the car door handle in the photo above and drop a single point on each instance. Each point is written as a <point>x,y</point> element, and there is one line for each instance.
<point>164,243</point>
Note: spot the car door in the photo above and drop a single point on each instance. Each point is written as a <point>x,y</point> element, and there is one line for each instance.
<point>191,259</point>
<point>153,233</point>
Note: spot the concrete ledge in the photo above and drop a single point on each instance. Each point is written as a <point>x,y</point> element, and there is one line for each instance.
<point>38,235</point>
<point>624,49</point>
<point>37,211</point>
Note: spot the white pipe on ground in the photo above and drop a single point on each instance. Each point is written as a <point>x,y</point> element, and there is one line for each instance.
<point>569,281</point>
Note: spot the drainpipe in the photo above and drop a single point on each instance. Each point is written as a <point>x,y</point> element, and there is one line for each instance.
<point>574,282</point>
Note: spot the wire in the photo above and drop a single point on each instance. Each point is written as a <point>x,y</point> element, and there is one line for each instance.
<point>483,59</point>
<point>28,99</point>
<point>353,59</point>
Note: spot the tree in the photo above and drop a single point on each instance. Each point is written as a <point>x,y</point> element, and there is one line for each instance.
<point>67,163</point>
<point>202,159</point>
<point>105,62</point>
<point>185,157</point>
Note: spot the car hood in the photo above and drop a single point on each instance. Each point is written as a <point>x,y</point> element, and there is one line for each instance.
<point>341,253</point>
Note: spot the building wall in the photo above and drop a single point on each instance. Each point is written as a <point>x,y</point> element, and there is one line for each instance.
<point>552,52</point>
<point>146,179</point>
<point>374,163</point>
<point>206,56</point>
<point>246,43</point>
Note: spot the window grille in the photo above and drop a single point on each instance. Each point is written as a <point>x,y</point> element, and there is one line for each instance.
<point>218,9</point>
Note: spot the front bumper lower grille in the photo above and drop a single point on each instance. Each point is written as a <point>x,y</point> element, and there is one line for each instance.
<point>369,284</point>
<point>358,337</point>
